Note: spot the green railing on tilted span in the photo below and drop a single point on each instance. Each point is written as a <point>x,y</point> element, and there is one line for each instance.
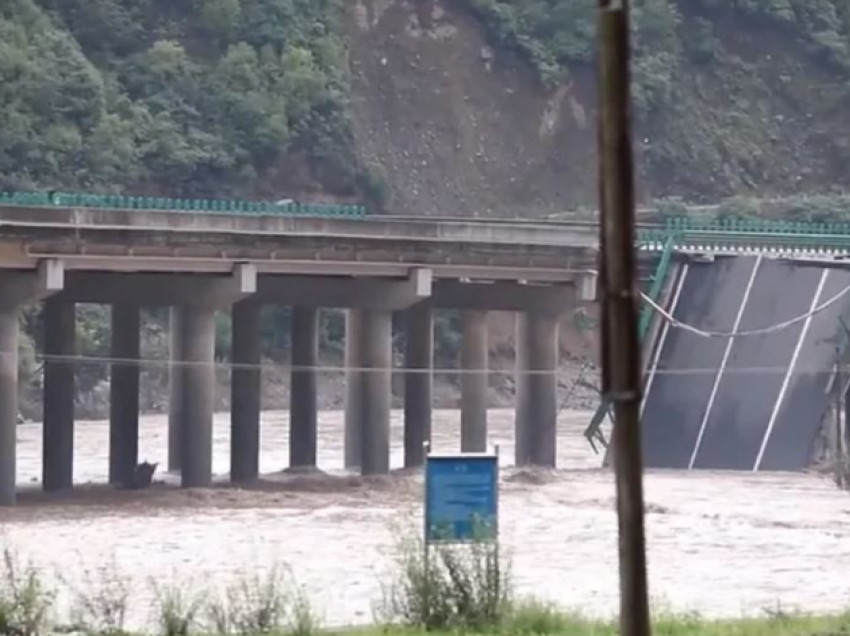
<point>190,206</point>
<point>739,233</point>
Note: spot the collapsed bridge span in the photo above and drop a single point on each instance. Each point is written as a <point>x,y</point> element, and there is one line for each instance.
<point>752,402</point>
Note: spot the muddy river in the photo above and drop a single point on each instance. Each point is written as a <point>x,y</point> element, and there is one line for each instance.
<point>720,544</point>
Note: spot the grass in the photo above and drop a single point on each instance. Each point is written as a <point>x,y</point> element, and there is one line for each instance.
<point>534,622</point>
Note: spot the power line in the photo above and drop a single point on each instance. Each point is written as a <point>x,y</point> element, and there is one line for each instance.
<point>704,333</point>
<point>83,360</point>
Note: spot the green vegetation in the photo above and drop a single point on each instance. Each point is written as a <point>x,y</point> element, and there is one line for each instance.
<point>731,96</point>
<point>188,98</point>
<point>458,593</point>
<point>558,36</point>
<point>229,98</point>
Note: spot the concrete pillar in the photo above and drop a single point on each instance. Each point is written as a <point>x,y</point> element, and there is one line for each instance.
<point>303,417</point>
<point>245,387</point>
<point>175,390</point>
<point>353,380</point>
<point>419,357</point>
<point>474,385</point>
<point>124,393</point>
<point>536,392</point>
<point>58,438</point>
<point>8,403</point>
<point>197,351</point>
<point>368,413</point>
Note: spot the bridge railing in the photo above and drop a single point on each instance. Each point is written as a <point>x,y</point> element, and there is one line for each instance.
<point>739,234</point>
<point>165,204</point>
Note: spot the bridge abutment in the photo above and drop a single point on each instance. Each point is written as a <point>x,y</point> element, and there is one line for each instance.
<point>536,389</point>
<point>58,439</point>
<point>197,398</point>
<point>418,383</point>
<point>369,391</point>
<point>474,382</point>
<point>124,393</point>
<point>245,387</point>
<point>8,403</point>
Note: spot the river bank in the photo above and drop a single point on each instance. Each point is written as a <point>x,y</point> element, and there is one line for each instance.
<point>470,591</point>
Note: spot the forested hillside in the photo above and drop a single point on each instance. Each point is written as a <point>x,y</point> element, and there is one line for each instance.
<point>254,97</point>
<point>197,97</point>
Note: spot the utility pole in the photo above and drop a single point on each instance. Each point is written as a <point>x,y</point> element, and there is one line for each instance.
<point>621,366</point>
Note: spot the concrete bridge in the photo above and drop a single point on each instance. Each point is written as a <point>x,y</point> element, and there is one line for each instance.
<point>202,263</point>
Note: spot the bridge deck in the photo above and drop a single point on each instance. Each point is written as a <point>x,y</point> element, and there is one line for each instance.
<point>136,240</point>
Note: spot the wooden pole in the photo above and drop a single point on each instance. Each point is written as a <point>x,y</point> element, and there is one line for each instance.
<point>621,368</point>
<point>840,451</point>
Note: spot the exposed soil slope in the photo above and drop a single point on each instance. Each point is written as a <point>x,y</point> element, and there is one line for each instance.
<point>461,127</point>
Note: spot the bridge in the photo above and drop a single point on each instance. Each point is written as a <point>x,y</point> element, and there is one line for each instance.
<point>200,257</point>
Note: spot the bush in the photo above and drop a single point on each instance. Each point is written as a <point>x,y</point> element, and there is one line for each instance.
<point>463,587</point>
<point>176,608</point>
<point>25,602</point>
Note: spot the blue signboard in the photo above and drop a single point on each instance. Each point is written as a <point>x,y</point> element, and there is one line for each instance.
<point>461,497</point>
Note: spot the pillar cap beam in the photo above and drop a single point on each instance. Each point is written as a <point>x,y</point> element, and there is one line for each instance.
<point>353,293</point>
<point>504,296</point>
<point>22,288</point>
<point>200,290</point>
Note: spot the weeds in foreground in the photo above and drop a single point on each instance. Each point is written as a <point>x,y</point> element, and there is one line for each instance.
<point>25,601</point>
<point>176,608</point>
<point>453,587</point>
<point>263,603</point>
<point>100,607</point>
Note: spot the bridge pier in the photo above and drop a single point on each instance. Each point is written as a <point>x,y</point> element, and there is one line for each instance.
<point>353,433</point>
<point>303,415</point>
<point>418,383</point>
<point>8,403</point>
<point>124,393</point>
<point>58,437</point>
<point>368,390</point>
<point>197,398</point>
<point>474,382</point>
<point>536,392</point>
<point>245,387</point>
<point>175,390</point>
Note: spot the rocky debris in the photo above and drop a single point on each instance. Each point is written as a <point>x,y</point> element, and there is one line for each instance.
<point>141,478</point>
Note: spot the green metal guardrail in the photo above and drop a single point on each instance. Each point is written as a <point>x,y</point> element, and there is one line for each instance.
<point>163,204</point>
<point>755,234</point>
<point>593,432</point>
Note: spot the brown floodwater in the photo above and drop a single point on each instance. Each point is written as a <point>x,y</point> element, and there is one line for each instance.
<point>723,544</point>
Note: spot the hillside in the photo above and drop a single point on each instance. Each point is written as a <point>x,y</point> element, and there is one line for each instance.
<point>488,106</point>
<point>425,106</point>
<point>195,98</point>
